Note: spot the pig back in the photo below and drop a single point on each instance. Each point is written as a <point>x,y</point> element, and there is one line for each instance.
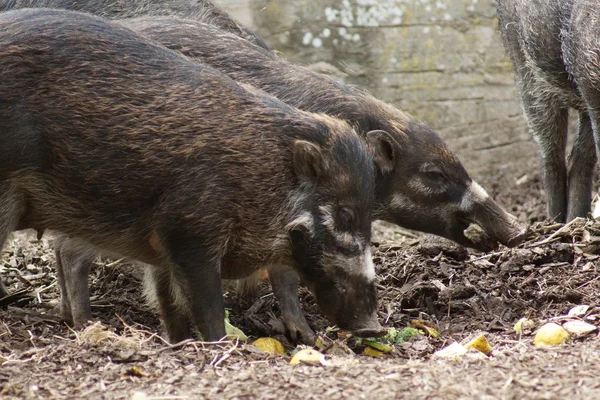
<point>129,133</point>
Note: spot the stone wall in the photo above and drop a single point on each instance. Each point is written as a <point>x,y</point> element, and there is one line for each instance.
<point>440,60</point>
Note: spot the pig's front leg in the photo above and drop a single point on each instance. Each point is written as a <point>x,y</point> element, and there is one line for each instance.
<point>284,282</point>
<point>165,294</point>
<point>197,271</point>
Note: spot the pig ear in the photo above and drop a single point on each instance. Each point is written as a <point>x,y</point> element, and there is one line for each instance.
<point>308,160</point>
<point>383,150</point>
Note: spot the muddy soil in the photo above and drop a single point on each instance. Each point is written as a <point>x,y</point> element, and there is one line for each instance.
<point>462,293</point>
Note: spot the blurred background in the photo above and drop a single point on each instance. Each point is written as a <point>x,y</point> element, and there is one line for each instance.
<point>440,60</point>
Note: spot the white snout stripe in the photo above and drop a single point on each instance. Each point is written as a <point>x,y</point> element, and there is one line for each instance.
<point>369,271</point>
<point>474,194</point>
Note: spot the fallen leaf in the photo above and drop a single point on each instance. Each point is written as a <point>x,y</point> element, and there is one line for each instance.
<point>233,332</point>
<point>371,352</point>
<point>270,345</point>
<point>308,356</point>
<point>578,311</point>
<point>338,348</point>
<point>455,350</point>
<point>522,324</point>
<point>425,326</point>
<point>385,348</point>
<point>579,328</point>
<point>550,334</point>
<point>480,343</point>
<point>134,371</point>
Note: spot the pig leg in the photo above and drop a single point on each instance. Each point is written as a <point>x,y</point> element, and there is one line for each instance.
<point>581,170</point>
<point>284,282</point>
<point>548,123</point>
<point>205,296</point>
<point>65,303</point>
<point>195,282</point>
<point>163,292</point>
<point>12,207</point>
<point>73,263</point>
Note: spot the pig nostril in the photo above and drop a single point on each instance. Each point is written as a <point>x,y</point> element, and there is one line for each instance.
<point>518,238</point>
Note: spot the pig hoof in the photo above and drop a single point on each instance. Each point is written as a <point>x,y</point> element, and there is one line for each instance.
<point>67,320</point>
<point>303,335</point>
<point>79,324</point>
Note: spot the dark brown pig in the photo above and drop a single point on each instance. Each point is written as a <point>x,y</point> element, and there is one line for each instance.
<point>200,10</point>
<point>122,144</point>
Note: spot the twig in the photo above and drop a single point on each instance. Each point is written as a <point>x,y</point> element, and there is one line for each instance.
<point>227,354</point>
<point>587,283</point>
<point>114,263</point>
<point>175,345</point>
<point>488,255</point>
<point>7,328</point>
<point>44,288</point>
<point>555,234</point>
<point>31,338</point>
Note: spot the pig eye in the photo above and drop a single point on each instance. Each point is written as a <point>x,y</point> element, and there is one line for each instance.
<point>346,217</point>
<point>435,175</point>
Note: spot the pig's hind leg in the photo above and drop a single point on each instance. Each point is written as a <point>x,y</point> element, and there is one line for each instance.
<point>548,122</point>
<point>12,206</point>
<point>74,260</point>
<point>582,162</point>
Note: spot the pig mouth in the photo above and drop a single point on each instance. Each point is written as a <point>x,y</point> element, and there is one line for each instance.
<point>462,234</point>
<point>473,235</point>
<point>370,333</point>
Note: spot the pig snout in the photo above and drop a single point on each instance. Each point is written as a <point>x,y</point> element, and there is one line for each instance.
<point>351,304</point>
<point>371,329</point>
<point>479,208</point>
<point>360,320</point>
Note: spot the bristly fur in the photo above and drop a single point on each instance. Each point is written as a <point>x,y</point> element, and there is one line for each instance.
<point>199,10</point>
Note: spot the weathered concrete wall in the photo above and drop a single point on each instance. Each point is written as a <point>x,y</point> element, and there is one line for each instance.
<point>440,60</point>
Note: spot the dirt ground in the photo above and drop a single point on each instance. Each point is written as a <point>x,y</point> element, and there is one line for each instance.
<point>462,293</point>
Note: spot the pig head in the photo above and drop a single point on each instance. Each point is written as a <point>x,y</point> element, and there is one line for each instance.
<point>424,187</point>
